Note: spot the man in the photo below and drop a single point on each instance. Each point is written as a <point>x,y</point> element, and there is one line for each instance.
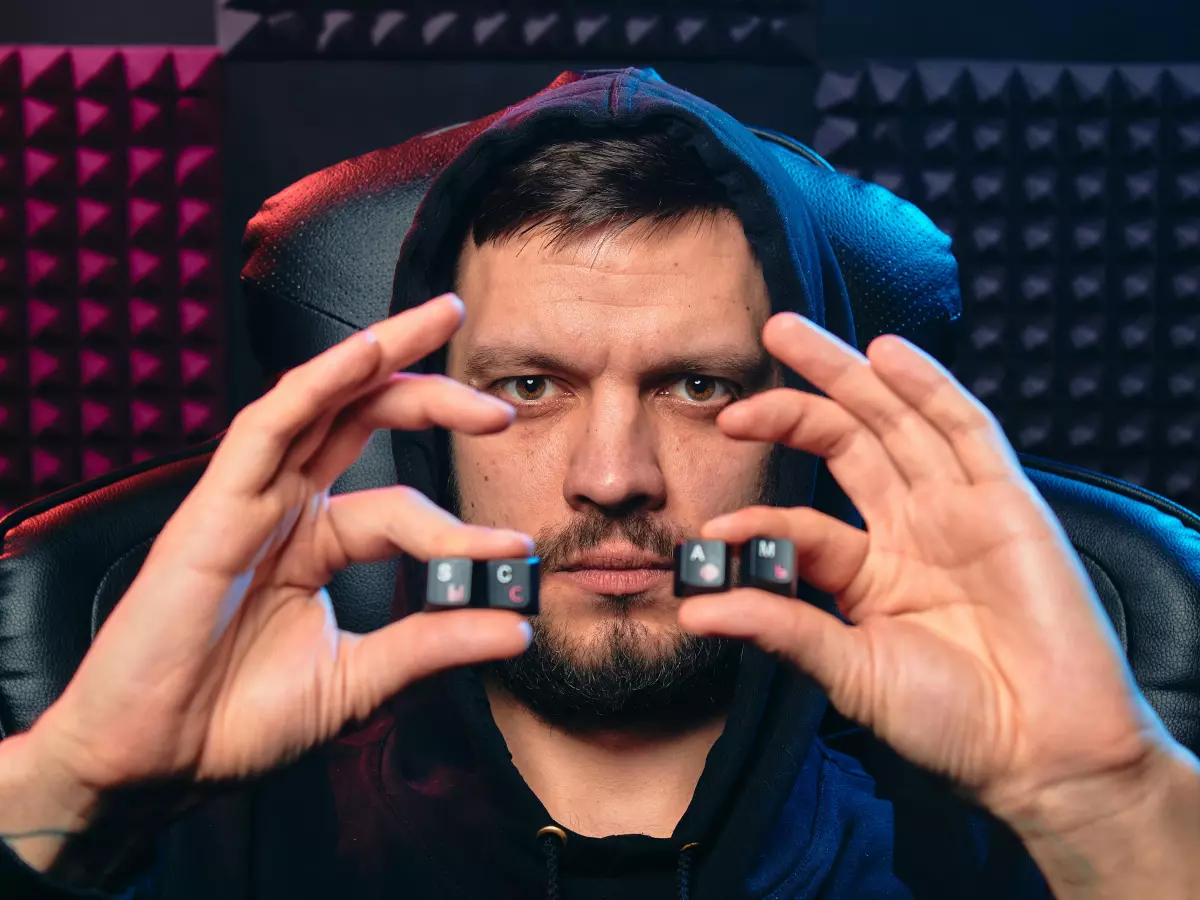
<point>626,355</point>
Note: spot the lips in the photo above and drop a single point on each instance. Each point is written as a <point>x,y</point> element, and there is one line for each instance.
<point>616,570</point>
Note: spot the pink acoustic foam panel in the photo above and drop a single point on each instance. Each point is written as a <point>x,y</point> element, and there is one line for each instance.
<point>111,318</point>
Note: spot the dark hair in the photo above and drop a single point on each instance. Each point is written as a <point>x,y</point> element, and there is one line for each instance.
<point>608,181</point>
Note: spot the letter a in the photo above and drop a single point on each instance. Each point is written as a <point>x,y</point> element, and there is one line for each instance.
<point>697,553</point>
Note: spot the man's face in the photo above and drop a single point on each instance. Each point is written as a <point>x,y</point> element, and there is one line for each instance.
<point>618,351</point>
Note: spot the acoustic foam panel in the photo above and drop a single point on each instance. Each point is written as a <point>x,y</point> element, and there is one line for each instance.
<point>111,320</point>
<point>1073,197</point>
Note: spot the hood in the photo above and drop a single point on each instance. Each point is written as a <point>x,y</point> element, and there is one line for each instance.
<point>775,713</point>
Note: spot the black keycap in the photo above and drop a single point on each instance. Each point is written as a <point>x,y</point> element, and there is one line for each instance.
<point>512,584</point>
<point>769,564</point>
<point>449,584</point>
<point>701,567</point>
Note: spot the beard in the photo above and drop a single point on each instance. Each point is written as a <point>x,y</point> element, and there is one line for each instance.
<point>629,676</point>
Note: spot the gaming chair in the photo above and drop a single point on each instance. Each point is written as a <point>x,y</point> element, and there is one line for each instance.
<point>320,260</point>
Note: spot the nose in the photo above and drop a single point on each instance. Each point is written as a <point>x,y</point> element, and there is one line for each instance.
<point>614,465</point>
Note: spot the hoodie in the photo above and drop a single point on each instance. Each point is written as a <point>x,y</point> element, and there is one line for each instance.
<point>424,800</point>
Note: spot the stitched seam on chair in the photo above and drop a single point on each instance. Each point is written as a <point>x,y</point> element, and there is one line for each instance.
<point>145,543</point>
<point>291,298</point>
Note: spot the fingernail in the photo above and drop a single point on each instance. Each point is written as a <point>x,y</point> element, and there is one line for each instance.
<point>457,302</point>
<point>526,630</point>
<point>369,336</point>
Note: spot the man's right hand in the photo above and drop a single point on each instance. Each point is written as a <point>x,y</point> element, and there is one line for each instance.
<point>223,659</point>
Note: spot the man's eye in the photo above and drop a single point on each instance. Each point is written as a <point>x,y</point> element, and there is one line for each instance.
<point>701,389</point>
<point>527,388</point>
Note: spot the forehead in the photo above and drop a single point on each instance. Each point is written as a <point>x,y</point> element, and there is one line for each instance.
<point>616,297</point>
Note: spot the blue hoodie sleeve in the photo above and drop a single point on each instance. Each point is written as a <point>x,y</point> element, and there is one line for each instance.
<point>19,880</point>
<point>834,839</point>
<point>855,835</point>
<point>893,816</point>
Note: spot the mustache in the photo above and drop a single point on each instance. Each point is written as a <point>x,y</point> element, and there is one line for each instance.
<point>557,545</point>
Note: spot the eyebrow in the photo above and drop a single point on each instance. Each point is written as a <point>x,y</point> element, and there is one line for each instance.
<point>751,369</point>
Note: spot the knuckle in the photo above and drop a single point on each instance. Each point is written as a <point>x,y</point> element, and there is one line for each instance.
<point>841,442</point>
<point>247,418</point>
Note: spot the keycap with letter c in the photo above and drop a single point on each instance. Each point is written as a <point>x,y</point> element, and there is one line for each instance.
<point>512,584</point>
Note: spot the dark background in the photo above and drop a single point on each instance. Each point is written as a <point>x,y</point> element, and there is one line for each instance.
<point>283,119</point>
<point>1062,30</point>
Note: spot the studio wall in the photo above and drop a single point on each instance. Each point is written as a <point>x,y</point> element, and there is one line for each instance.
<point>1069,187</point>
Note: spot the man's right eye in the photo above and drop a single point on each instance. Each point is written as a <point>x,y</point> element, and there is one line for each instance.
<point>526,388</point>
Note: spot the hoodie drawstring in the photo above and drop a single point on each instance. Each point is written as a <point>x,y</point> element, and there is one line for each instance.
<point>683,874</point>
<point>553,839</point>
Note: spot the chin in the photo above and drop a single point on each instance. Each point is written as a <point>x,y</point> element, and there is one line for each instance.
<point>616,662</point>
<point>642,625</point>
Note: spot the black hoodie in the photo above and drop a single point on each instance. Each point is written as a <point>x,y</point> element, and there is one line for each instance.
<point>424,801</point>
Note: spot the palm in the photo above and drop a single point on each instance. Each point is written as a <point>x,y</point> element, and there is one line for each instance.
<point>275,688</point>
<point>973,616</point>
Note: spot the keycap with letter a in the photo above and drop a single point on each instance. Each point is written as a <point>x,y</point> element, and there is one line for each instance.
<point>769,564</point>
<point>449,585</point>
<point>512,584</point>
<point>701,567</point>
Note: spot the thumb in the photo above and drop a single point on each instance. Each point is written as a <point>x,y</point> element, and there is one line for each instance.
<point>824,648</point>
<point>381,664</point>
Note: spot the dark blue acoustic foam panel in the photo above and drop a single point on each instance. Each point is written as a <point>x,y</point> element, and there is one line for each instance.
<point>1073,197</point>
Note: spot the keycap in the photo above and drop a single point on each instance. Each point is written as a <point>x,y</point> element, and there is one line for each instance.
<point>449,585</point>
<point>769,564</point>
<point>512,584</point>
<point>701,567</point>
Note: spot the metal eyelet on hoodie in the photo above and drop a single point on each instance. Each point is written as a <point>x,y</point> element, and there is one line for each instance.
<point>554,839</point>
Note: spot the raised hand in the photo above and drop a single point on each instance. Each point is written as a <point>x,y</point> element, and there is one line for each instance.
<point>979,649</point>
<point>224,659</point>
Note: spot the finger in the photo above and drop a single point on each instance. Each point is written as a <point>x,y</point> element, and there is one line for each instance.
<point>379,524</point>
<point>818,425</point>
<point>378,665</point>
<point>409,403</point>
<point>966,424</point>
<point>262,433</point>
<point>829,552</point>
<point>830,652</point>
<point>919,451</point>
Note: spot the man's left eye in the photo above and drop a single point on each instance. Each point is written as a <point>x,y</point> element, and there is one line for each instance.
<point>701,389</point>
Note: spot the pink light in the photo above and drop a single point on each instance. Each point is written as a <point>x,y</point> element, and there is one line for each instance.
<point>41,317</point>
<point>90,162</point>
<point>142,316</point>
<point>37,114</point>
<point>45,466</point>
<point>89,114</point>
<point>192,315</point>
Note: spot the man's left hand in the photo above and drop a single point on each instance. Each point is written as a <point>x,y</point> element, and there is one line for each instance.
<point>979,649</point>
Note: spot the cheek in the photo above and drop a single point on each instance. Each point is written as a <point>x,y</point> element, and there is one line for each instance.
<point>509,480</point>
<point>715,475</point>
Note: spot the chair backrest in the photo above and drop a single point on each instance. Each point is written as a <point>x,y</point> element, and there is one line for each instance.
<point>320,263</point>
